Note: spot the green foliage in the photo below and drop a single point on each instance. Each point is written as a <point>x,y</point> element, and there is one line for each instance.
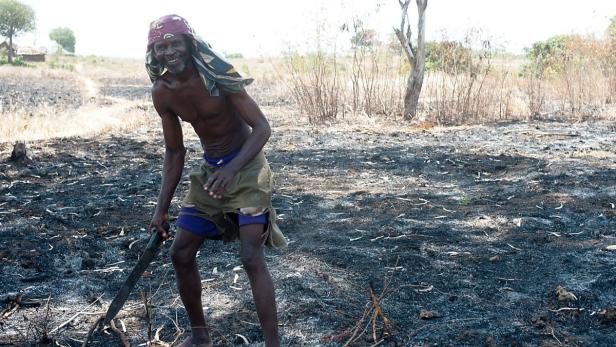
<point>448,56</point>
<point>364,38</point>
<point>64,37</point>
<point>465,200</point>
<point>15,18</point>
<point>234,55</point>
<point>18,61</point>
<point>546,57</point>
<point>57,63</point>
<point>611,29</point>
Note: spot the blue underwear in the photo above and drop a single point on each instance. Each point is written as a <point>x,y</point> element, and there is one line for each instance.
<point>221,161</point>
<point>192,220</point>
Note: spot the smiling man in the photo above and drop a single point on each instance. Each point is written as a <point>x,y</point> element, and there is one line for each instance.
<point>230,193</point>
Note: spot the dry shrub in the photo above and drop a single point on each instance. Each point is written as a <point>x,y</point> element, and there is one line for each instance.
<point>325,87</point>
<point>377,82</point>
<point>575,79</point>
<point>314,83</point>
<point>467,87</point>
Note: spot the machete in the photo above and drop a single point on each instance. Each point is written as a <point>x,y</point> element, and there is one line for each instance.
<point>146,258</point>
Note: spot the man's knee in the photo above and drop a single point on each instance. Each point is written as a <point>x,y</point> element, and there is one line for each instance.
<point>181,255</point>
<point>251,258</point>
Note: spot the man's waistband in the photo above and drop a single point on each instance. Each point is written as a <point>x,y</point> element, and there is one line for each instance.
<point>221,161</point>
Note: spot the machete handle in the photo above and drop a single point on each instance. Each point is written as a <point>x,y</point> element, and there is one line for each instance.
<point>155,239</point>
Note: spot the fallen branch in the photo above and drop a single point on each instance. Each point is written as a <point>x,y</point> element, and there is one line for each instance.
<point>374,311</point>
<point>378,312</point>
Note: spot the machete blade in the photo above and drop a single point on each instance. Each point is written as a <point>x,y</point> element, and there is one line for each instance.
<point>146,258</point>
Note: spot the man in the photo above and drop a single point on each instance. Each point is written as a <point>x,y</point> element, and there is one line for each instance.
<point>230,194</point>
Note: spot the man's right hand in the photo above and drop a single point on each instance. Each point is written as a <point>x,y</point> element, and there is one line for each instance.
<point>160,224</point>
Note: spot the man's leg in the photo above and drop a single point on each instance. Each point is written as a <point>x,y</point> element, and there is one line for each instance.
<point>183,255</point>
<point>251,255</point>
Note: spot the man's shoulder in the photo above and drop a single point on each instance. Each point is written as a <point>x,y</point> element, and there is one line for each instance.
<point>160,89</point>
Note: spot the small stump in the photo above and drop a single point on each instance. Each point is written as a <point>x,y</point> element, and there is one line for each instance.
<point>19,153</point>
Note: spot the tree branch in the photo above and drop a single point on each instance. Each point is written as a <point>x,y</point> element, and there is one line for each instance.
<point>404,34</point>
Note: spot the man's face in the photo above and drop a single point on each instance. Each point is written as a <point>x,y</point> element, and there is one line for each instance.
<point>173,53</point>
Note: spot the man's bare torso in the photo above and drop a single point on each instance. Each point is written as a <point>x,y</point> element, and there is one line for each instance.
<point>213,118</point>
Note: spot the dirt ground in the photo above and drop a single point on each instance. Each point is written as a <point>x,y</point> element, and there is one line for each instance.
<point>463,234</point>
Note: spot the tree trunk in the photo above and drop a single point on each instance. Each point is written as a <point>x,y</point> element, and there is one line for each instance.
<point>10,52</point>
<point>415,80</point>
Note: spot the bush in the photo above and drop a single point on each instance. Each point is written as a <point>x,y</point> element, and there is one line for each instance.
<point>546,57</point>
<point>448,56</point>
<point>56,63</point>
<point>17,61</point>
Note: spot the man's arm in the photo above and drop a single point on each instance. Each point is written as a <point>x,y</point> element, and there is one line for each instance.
<point>174,159</point>
<point>261,131</point>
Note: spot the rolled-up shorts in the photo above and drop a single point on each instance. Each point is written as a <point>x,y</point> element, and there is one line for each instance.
<point>213,218</point>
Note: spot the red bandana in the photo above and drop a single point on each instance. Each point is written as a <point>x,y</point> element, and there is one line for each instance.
<point>168,26</point>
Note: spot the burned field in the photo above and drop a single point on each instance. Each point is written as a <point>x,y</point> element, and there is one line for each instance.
<point>466,236</point>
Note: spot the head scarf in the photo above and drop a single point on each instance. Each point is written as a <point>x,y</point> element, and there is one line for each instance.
<point>215,72</point>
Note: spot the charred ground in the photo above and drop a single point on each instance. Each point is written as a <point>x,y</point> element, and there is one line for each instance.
<point>464,234</point>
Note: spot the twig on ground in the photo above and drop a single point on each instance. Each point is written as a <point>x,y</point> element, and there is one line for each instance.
<point>378,312</point>
<point>148,314</point>
<point>120,334</point>
<point>554,336</point>
<point>178,330</point>
<point>91,331</point>
<point>567,309</point>
<point>13,307</point>
<point>75,316</point>
<point>374,311</point>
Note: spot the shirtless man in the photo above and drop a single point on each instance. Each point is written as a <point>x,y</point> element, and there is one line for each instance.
<point>230,194</point>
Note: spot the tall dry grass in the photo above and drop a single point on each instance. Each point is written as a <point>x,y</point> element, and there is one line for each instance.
<point>467,83</point>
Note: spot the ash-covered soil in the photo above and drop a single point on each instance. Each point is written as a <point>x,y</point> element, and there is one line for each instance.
<point>464,235</point>
<point>127,88</point>
<point>36,90</point>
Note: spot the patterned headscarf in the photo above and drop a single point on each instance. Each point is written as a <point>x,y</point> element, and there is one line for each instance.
<point>215,72</point>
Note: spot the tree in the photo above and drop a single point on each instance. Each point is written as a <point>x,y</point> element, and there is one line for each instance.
<point>547,57</point>
<point>15,18</point>
<point>416,56</point>
<point>364,38</point>
<point>64,37</point>
<point>611,29</point>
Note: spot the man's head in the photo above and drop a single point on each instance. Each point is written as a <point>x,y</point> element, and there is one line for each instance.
<point>169,42</point>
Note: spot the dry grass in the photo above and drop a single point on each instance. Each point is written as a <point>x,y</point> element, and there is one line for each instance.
<point>468,86</point>
<point>30,119</point>
<point>90,119</point>
<point>365,88</point>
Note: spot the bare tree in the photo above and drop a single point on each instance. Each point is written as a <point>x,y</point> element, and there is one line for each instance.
<point>416,56</point>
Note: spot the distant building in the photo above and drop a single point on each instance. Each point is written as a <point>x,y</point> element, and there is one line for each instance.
<point>25,53</point>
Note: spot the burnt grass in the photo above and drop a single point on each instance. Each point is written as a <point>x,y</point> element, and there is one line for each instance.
<point>463,234</point>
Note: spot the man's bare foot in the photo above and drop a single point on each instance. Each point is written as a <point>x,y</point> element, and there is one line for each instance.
<point>189,343</point>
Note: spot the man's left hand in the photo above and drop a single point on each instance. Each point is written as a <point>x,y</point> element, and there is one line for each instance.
<point>218,182</point>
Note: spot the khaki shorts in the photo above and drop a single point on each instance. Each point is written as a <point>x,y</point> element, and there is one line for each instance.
<point>251,188</point>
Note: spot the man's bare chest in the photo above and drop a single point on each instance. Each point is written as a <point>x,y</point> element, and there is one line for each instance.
<point>194,104</point>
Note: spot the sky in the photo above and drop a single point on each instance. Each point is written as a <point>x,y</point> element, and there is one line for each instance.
<point>264,28</point>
